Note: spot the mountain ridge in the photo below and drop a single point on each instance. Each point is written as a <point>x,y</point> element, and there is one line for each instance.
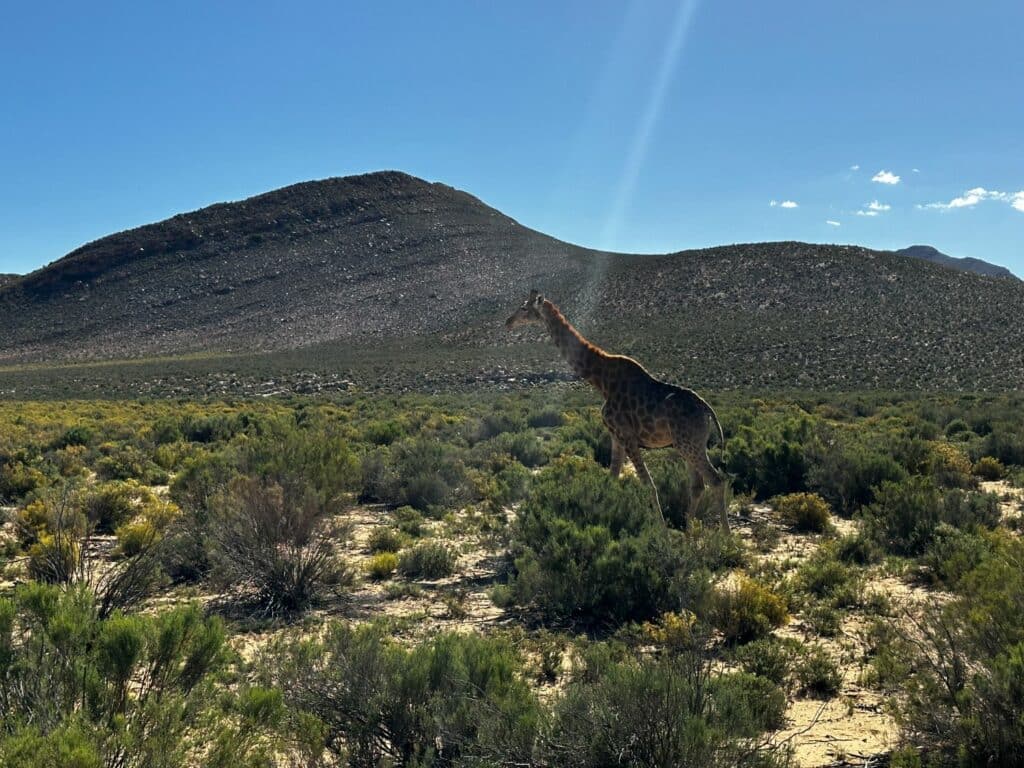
<point>963,264</point>
<point>388,260</point>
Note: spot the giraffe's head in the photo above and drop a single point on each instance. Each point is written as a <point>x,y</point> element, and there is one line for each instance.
<point>528,313</point>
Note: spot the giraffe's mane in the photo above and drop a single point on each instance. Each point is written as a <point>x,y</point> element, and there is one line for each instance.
<point>557,315</point>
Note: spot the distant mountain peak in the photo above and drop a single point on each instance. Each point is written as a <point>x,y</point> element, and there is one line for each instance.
<point>966,264</point>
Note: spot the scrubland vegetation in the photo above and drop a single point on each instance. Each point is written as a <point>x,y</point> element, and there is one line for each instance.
<point>458,581</point>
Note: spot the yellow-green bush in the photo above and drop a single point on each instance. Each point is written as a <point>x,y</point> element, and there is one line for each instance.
<point>745,610</point>
<point>382,566</point>
<point>951,466</point>
<point>989,468</point>
<point>804,511</point>
<point>114,503</point>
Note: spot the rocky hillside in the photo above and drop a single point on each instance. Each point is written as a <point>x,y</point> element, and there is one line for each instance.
<point>966,264</point>
<point>366,263</point>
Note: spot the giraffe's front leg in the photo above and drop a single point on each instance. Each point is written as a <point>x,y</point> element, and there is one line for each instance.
<point>643,474</point>
<point>618,457</point>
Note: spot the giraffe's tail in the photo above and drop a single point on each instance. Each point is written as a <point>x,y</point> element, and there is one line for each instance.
<point>718,426</point>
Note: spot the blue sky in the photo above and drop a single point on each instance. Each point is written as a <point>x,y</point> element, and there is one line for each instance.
<point>635,126</point>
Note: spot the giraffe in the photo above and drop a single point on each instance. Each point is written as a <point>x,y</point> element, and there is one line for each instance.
<point>639,410</point>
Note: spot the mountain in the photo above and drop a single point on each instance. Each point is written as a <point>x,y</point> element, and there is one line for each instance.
<point>385,275</point>
<point>965,264</point>
<point>6,279</point>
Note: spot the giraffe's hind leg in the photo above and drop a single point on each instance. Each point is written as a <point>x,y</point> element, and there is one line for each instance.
<point>641,470</point>
<point>696,491</point>
<point>713,479</point>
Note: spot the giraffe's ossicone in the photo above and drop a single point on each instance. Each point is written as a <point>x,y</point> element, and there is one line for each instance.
<point>639,410</point>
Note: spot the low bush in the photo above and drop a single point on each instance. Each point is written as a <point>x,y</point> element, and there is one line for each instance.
<point>79,690</point>
<point>804,511</point>
<point>112,504</point>
<point>952,554</point>
<point>989,468</point>
<point>427,560</point>
<point>964,702</point>
<point>905,515</point>
<point>817,674</point>
<point>770,657</point>
<point>745,610</point>
<point>950,466</point>
<point>589,546</point>
<point>382,566</point>
<point>273,546</point>
<point>384,538</point>
<point>662,712</point>
<point>458,699</point>
<point>858,548</point>
<point>54,559</point>
<point>826,577</point>
<point>845,472</point>
<point>422,473</point>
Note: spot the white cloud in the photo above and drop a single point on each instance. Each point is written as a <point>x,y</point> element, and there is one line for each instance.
<point>788,204</point>
<point>915,170</point>
<point>972,197</point>
<point>830,222</point>
<point>874,205</point>
<point>867,213</point>
<point>854,167</point>
<point>773,203</point>
<point>885,177</point>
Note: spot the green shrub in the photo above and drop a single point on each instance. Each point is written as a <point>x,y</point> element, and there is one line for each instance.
<point>18,479</point>
<point>1005,442</point>
<point>458,699</point>
<point>989,468</point>
<point>964,701</point>
<point>804,511</point>
<point>858,548</point>
<point>273,546</point>
<point>128,462</point>
<point>382,566</point>
<point>586,545</point>
<point>950,466</point>
<point>845,473</point>
<point>770,657</point>
<point>409,521</point>
<point>384,538</point>
<point>905,515</point>
<point>77,435</point>
<point>112,504</point>
<point>746,610</point>
<point>421,473</point>
<point>767,465</point>
<point>427,560</point>
<point>546,417</point>
<point>660,712</point>
<point>824,576</point>
<point>952,554</point>
<point>957,428</point>
<point>817,674</point>
<point>82,691</point>
<point>748,704</point>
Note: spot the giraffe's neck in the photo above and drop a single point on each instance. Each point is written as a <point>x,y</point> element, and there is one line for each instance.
<point>586,360</point>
